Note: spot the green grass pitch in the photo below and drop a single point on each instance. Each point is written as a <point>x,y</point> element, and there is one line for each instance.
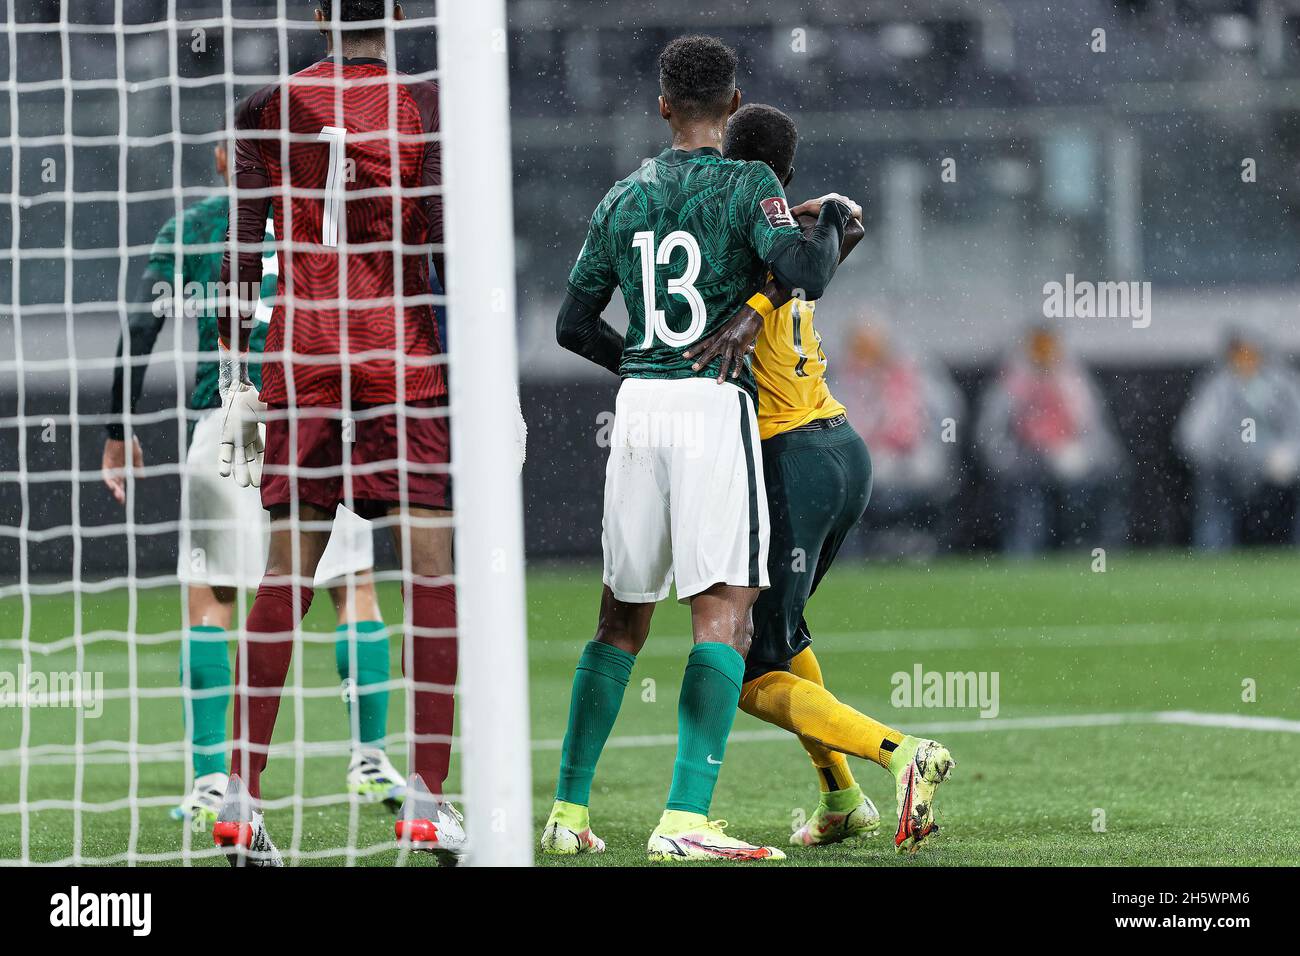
<point>1122,736</point>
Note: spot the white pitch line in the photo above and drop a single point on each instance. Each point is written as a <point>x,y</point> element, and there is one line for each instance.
<point>1190,718</point>
<point>166,753</point>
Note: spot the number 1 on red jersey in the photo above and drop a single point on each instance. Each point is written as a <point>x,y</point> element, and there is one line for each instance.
<point>335,136</point>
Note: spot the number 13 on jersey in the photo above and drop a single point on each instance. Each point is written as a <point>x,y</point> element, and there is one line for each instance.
<point>656,322</point>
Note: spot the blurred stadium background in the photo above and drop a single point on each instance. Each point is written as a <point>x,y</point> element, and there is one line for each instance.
<point>1111,166</point>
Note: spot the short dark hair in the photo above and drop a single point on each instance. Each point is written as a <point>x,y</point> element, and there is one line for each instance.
<point>354,11</point>
<point>697,76</point>
<point>762,132</point>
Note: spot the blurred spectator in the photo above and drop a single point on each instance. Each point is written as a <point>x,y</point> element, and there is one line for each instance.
<point>1046,437</point>
<point>898,403</point>
<point>1241,432</point>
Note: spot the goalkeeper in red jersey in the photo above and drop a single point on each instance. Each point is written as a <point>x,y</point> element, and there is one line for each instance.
<point>345,156</point>
<point>223,542</point>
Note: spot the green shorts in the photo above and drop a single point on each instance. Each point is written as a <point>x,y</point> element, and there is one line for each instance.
<point>818,482</point>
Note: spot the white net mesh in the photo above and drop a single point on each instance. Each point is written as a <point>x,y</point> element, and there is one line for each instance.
<point>115,112</point>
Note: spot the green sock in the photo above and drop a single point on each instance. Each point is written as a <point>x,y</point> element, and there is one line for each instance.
<point>705,713</point>
<point>598,684</point>
<point>205,665</point>
<point>372,668</point>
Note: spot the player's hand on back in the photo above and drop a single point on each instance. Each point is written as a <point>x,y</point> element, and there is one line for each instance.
<point>240,452</point>
<point>814,206</point>
<point>731,343</point>
<point>114,465</point>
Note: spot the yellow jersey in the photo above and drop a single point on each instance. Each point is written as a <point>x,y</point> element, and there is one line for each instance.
<point>790,367</point>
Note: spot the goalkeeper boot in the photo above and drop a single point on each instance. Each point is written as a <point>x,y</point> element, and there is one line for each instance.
<point>429,824</point>
<point>919,766</point>
<point>201,807</point>
<point>683,836</point>
<point>372,777</point>
<point>240,830</point>
<point>568,831</point>
<point>840,815</point>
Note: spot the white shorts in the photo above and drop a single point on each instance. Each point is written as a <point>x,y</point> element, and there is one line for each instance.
<point>684,493</point>
<point>225,539</point>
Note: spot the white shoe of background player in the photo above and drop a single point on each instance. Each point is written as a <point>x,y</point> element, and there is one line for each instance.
<point>203,804</point>
<point>372,777</point>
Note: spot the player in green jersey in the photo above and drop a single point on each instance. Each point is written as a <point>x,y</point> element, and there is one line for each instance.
<point>224,538</point>
<point>686,238</point>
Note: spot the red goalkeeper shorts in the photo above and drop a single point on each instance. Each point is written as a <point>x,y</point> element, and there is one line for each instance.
<point>377,474</point>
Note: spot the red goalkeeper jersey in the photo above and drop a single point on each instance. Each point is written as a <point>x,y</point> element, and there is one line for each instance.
<point>345,156</point>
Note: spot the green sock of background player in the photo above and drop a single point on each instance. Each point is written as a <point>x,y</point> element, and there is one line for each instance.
<point>372,668</point>
<point>205,672</point>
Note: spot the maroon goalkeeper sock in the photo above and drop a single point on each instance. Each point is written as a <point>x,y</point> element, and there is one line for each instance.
<point>268,665</point>
<point>434,659</point>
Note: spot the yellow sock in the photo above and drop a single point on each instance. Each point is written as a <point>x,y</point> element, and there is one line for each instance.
<point>832,768</point>
<point>806,708</point>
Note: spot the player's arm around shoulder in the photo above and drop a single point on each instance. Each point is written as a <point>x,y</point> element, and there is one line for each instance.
<point>773,295</point>
<point>788,240</point>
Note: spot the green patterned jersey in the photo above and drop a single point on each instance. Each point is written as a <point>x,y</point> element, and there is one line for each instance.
<point>686,238</point>
<point>198,274</point>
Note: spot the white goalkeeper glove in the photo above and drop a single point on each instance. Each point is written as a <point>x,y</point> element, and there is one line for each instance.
<point>241,449</point>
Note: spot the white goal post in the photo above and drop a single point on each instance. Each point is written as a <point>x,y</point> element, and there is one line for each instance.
<point>479,236</point>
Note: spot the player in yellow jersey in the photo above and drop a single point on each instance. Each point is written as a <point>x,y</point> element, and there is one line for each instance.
<point>818,479</point>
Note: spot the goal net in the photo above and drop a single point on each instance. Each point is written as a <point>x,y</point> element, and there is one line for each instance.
<point>118,120</point>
